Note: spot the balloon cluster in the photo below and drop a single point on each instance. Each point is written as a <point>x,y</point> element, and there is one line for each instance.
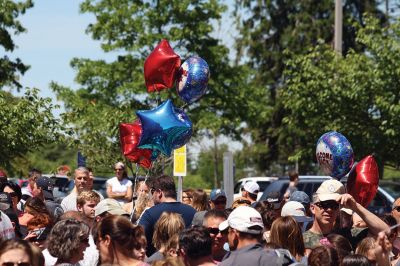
<point>166,127</point>
<point>336,158</point>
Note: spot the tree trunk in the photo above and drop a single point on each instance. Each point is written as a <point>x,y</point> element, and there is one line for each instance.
<point>215,161</point>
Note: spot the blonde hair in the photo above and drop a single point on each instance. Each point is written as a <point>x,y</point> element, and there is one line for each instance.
<point>365,245</point>
<point>173,243</point>
<point>199,201</point>
<point>86,196</point>
<point>170,261</point>
<point>168,224</point>
<point>143,201</point>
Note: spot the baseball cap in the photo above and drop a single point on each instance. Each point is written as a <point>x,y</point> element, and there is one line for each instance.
<point>296,210</point>
<point>251,187</point>
<point>47,186</point>
<point>216,193</point>
<point>329,190</point>
<point>5,201</point>
<point>111,206</point>
<point>244,219</point>
<point>300,196</point>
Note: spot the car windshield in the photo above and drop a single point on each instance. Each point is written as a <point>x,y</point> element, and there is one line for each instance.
<point>392,188</point>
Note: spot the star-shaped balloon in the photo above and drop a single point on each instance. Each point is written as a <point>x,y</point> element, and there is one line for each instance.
<point>165,128</point>
<point>129,134</point>
<point>161,67</point>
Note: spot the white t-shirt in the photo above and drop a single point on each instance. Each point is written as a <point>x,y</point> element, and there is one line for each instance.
<point>90,255</point>
<point>6,227</point>
<point>119,186</point>
<point>69,202</point>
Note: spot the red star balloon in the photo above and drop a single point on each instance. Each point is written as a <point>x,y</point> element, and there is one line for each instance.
<point>130,134</point>
<point>161,67</point>
<point>363,183</point>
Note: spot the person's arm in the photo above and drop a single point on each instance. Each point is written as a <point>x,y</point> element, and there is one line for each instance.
<point>382,250</point>
<point>114,195</point>
<point>374,223</point>
<point>129,192</point>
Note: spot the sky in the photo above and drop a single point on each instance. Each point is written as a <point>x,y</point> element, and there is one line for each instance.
<point>56,34</point>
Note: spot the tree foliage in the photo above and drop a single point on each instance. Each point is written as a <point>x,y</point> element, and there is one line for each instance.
<point>111,92</point>
<point>9,25</point>
<point>267,29</point>
<point>357,95</point>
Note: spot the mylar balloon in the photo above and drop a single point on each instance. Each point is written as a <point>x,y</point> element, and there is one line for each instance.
<point>130,134</point>
<point>192,79</point>
<point>165,128</point>
<point>363,181</point>
<point>161,67</point>
<point>334,154</point>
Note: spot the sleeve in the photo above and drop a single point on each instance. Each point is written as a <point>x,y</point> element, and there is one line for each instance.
<point>129,183</point>
<point>146,221</point>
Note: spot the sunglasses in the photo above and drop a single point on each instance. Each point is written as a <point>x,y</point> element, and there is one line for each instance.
<point>16,263</point>
<point>152,190</point>
<point>119,169</point>
<point>12,194</point>
<point>212,230</point>
<point>397,208</point>
<point>330,204</point>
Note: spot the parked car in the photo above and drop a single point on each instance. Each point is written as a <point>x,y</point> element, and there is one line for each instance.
<point>262,181</point>
<point>387,192</point>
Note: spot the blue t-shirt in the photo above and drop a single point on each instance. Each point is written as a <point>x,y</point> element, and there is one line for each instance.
<point>151,216</point>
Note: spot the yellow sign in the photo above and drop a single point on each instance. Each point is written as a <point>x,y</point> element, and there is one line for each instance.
<point>180,161</point>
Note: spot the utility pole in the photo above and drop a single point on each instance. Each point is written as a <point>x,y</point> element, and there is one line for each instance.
<point>338,26</point>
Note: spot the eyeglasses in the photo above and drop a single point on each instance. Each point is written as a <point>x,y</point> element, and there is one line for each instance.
<point>212,230</point>
<point>329,204</point>
<point>16,263</point>
<point>152,190</point>
<point>397,208</point>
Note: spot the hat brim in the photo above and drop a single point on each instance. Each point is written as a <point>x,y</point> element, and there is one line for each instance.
<point>303,219</point>
<point>217,197</point>
<point>118,212</point>
<point>223,226</point>
<point>328,196</point>
<point>348,211</point>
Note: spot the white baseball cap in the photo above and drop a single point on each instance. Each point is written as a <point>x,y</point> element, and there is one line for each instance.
<point>251,187</point>
<point>296,210</point>
<point>329,190</point>
<point>244,219</point>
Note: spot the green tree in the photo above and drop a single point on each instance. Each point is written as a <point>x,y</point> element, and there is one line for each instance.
<point>111,92</point>
<point>9,25</point>
<point>357,95</point>
<point>267,29</point>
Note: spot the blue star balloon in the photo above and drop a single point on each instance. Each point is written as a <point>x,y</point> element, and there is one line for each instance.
<point>164,128</point>
<point>193,78</point>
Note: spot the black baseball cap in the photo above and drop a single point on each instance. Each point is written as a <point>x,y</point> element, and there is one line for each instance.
<point>5,201</point>
<point>47,186</point>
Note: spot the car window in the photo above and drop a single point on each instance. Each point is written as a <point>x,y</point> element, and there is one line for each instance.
<point>392,188</point>
<point>237,187</point>
<point>263,184</point>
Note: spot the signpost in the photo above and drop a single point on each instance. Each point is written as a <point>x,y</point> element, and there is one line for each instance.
<point>180,168</point>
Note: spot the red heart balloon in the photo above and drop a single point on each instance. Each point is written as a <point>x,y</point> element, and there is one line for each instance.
<point>130,134</point>
<point>161,67</point>
<point>363,182</point>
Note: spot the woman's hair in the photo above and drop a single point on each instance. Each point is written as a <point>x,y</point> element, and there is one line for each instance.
<point>35,206</point>
<point>341,244</point>
<point>12,244</point>
<point>143,201</point>
<point>121,165</point>
<point>199,202</point>
<point>172,243</point>
<point>38,221</point>
<point>365,245</point>
<point>286,232</point>
<point>123,234</point>
<point>355,260</point>
<point>65,238</point>
<point>168,224</point>
<point>323,255</point>
<point>170,261</point>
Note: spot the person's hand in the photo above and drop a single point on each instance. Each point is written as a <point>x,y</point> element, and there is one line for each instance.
<point>382,249</point>
<point>347,201</point>
<point>30,235</point>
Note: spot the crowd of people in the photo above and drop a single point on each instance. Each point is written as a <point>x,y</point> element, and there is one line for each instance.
<point>145,224</point>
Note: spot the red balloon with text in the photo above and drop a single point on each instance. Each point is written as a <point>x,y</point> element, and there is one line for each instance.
<point>130,134</point>
<point>161,67</point>
<point>363,182</point>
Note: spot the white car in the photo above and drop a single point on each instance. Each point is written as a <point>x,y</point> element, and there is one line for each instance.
<point>262,181</point>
